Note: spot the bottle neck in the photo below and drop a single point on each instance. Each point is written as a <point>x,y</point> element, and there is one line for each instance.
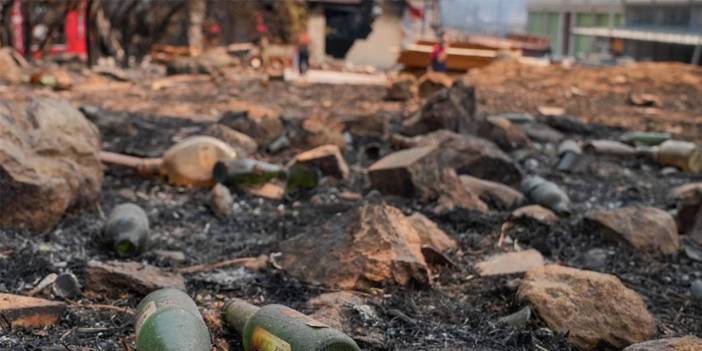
<point>237,312</point>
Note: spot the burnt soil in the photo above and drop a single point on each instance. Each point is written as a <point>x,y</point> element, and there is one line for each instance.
<point>458,312</point>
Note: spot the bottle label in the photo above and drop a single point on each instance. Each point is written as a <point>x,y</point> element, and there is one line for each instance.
<point>263,340</point>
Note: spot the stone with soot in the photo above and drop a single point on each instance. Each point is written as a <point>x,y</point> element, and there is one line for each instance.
<point>333,309</point>
<point>593,308</point>
<point>236,139</point>
<point>417,172</point>
<point>504,133</point>
<point>688,200</point>
<point>260,123</point>
<point>401,88</point>
<point>327,158</point>
<point>468,155</point>
<point>116,276</point>
<point>452,109</point>
<point>430,234</point>
<point>647,229</point>
<point>29,312</point>
<point>368,246</point>
<point>500,195</point>
<point>49,163</point>
<point>685,343</point>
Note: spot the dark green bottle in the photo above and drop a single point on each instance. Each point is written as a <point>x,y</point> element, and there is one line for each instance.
<point>126,229</point>
<point>246,172</point>
<point>280,328</point>
<point>168,320</point>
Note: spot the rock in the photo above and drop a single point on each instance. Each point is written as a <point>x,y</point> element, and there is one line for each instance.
<point>609,148</point>
<point>510,263</point>
<point>406,173</point>
<point>498,194</point>
<point>551,111</point>
<point>365,247</point>
<point>688,200</point>
<point>321,130</point>
<point>537,213</point>
<point>541,132</point>
<point>517,319</point>
<point>454,193</point>
<point>270,191</point>
<point>595,259</point>
<point>503,133</point>
<point>401,88</point>
<point>430,234</point>
<point>696,290</point>
<point>326,158</point>
<point>238,140</point>
<point>647,229</point>
<point>591,307</point>
<point>49,163</point>
<point>260,123</point>
<point>29,312</point>
<point>546,193</point>
<point>372,126</point>
<point>333,308</point>
<point>221,201</point>
<point>452,109</point>
<point>170,256</point>
<point>10,71</point>
<point>685,343</point>
<point>645,100</point>
<point>431,82</point>
<point>115,276</point>
<point>468,155</point>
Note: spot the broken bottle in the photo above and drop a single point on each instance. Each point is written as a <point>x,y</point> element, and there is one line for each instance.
<point>277,327</point>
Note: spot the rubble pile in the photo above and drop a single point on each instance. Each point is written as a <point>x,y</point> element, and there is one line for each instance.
<point>279,215</point>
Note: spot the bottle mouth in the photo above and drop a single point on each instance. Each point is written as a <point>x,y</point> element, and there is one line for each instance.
<point>125,248</point>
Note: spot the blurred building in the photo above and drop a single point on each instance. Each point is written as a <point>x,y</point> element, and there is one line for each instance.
<point>659,30</point>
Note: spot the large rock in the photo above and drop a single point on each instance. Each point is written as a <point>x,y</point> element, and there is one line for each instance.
<point>260,123</point>
<point>452,109</point>
<point>418,172</point>
<point>49,163</point>
<point>686,343</point>
<point>365,247</point>
<point>467,155</point>
<point>648,229</point>
<point>591,307</point>
<point>236,139</point>
<point>29,312</point>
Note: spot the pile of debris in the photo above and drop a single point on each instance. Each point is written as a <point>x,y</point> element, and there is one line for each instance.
<point>409,221</point>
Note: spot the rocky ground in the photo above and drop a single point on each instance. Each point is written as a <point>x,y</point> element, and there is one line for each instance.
<point>460,308</point>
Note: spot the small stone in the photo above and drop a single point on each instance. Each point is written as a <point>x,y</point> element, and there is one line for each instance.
<point>29,312</point>
<point>517,320</point>
<point>510,263</point>
<point>686,343</point>
<point>326,158</point>
<point>333,308</point>
<point>504,133</point>
<point>430,234</point>
<point>595,259</point>
<point>647,229</point>
<point>221,201</point>
<point>260,123</point>
<point>170,256</point>
<point>591,308</point>
<point>431,82</point>
<point>235,139</point>
<point>66,286</point>
<point>537,213</point>
<point>494,193</point>
<point>270,191</point>
<point>114,277</point>
<point>401,88</point>
<point>696,290</point>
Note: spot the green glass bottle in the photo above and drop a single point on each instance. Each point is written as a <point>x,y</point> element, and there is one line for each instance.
<point>280,328</point>
<point>168,320</point>
<point>126,229</point>
<point>246,172</point>
<point>547,194</point>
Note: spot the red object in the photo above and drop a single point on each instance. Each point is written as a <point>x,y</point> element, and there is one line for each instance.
<point>17,20</point>
<point>436,52</point>
<point>75,31</point>
<point>260,25</point>
<point>416,12</point>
